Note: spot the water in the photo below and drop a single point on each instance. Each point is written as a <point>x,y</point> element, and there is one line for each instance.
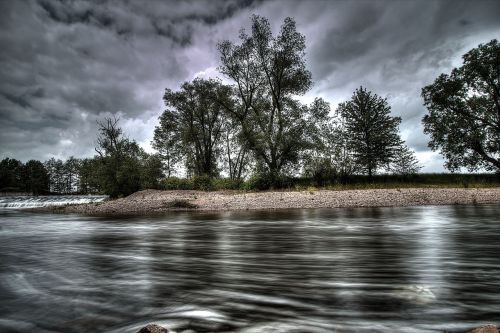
<point>19,202</point>
<point>413,269</point>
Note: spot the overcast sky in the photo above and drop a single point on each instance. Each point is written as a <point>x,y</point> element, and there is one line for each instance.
<point>64,65</point>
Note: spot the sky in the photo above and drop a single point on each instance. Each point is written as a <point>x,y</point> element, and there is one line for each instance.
<point>66,64</point>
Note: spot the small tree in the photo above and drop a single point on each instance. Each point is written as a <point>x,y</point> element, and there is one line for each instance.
<point>464,111</point>
<point>71,167</point>
<point>404,162</point>
<point>372,131</point>
<point>167,141</point>
<point>119,160</point>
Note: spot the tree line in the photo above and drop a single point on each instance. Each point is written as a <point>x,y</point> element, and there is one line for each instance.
<point>257,125</point>
<point>256,129</point>
<point>119,168</point>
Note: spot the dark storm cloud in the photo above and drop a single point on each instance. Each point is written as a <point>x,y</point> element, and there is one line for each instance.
<point>66,64</point>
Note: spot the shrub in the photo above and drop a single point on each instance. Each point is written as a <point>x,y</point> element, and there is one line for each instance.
<point>266,181</point>
<point>227,184</point>
<point>180,204</point>
<point>174,183</point>
<point>203,183</point>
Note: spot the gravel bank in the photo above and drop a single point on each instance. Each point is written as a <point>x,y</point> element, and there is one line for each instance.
<point>151,202</point>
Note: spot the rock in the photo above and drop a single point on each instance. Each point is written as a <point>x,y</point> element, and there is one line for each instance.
<point>153,328</point>
<point>488,328</point>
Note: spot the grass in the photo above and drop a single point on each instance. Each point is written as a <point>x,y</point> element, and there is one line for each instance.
<point>355,182</point>
<point>180,204</point>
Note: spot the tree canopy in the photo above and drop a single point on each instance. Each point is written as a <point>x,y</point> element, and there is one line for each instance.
<point>267,72</point>
<point>372,132</point>
<point>464,111</point>
<point>195,118</point>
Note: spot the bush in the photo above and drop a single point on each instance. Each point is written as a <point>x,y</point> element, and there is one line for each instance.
<point>227,184</point>
<point>180,204</point>
<point>174,183</point>
<point>203,183</point>
<point>266,181</point>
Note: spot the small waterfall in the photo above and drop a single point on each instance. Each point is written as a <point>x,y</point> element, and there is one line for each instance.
<point>19,202</point>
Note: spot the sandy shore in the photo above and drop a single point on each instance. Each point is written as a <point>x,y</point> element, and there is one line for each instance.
<point>151,202</point>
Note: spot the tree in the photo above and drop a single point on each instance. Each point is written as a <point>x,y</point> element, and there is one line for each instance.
<point>167,141</point>
<point>71,168</point>
<point>372,131</point>
<point>236,153</point>
<point>37,178</point>
<point>119,160</point>
<point>151,171</point>
<point>88,176</point>
<point>404,162</point>
<point>198,115</point>
<point>464,111</point>
<point>12,175</point>
<point>56,171</point>
<point>267,73</point>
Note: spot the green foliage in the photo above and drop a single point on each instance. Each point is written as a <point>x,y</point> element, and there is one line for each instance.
<point>88,176</point>
<point>175,183</point>
<point>167,141</point>
<point>267,181</point>
<point>122,166</point>
<point>151,171</point>
<point>227,184</point>
<point>268,71</point>
<point>404,162</point>
<point>37,178</point>
<point>63,176</point>
<point>203,183</point>
<point>12,175</point>
<point>31,177</point>
<point>464,111</point>
<point>181,204</point>
<point>197,112</point>
<point>372,132</point>
<point>321,170</point>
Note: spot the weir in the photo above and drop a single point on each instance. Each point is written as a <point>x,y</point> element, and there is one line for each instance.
<point>19,202</point>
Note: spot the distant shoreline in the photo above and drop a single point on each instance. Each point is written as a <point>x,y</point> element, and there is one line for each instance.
<point>154,202</point>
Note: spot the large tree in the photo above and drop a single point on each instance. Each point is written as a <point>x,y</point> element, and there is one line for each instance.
<point>196,114</point>
<point>464,111</point>
<point>372,131</point>
<point>268,71</point>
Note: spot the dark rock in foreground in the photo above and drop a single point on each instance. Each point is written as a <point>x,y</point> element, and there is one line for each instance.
<point>488,328</point>
<point>153,328</point>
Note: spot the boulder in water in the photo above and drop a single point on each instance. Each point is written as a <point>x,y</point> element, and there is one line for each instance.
<point>488,328</point>
<point>153,328</point>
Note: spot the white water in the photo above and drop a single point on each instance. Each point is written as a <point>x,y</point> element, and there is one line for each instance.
<point>19,202</point>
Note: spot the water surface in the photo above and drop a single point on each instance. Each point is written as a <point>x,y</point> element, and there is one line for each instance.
<point>413,269</point>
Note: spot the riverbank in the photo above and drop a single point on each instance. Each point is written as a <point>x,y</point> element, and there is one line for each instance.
<point>150,202</point>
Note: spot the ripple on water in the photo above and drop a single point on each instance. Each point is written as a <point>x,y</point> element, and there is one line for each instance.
<point>411,269</point>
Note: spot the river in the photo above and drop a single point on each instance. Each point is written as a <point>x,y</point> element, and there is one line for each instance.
<point>410,269</point>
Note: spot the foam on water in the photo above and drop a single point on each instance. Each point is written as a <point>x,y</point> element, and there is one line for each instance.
<point>20,202</point>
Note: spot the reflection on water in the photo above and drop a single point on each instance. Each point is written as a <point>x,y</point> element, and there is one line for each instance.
<point>413,269</point>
